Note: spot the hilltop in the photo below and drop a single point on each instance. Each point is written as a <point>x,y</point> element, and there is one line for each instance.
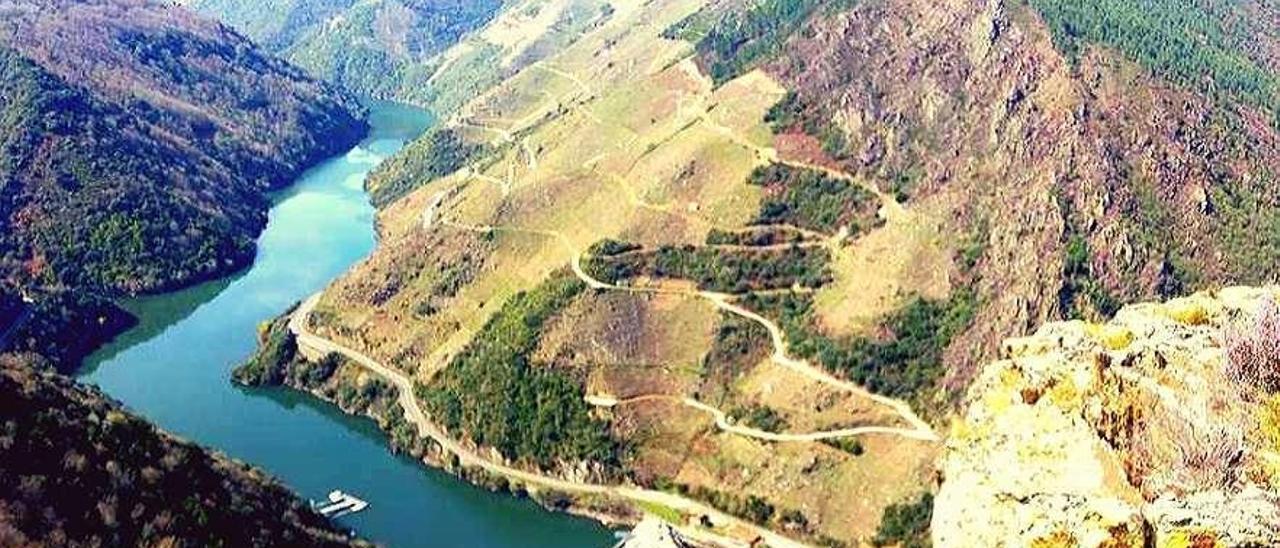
<point>139,142</point>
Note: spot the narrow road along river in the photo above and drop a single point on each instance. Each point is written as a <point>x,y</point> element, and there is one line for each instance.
<point>174,368</point>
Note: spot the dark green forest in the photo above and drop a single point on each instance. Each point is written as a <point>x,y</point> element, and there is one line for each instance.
<point>78,467</point>
<point>1207,46</point>
<point>495,395</point>
<point>732,42</point>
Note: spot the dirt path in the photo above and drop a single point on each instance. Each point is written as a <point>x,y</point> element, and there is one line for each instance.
<point>724,423</point>
<point>466,456</point>
<point>920,429</point>
<point>890,209</point>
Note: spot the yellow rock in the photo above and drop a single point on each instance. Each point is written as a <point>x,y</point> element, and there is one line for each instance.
<point>1191,538</point>
<point>1112,337</point>
<point>1187,311</point>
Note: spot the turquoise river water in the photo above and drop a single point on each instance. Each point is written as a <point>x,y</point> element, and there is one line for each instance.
<point>174,368</point>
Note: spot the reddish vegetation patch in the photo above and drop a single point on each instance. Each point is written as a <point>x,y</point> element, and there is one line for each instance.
<point>802,147</point>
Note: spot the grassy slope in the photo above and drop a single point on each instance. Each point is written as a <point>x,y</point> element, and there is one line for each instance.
<point>613,123</point>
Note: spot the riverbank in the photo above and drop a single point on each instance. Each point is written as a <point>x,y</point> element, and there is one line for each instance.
<point>281,361</point>
<point>291,345</point>
<point>174,370</point>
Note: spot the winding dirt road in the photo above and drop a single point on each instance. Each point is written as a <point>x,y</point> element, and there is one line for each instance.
<point>466,456</point>
<point>920,429</point>
<point>724,423</point>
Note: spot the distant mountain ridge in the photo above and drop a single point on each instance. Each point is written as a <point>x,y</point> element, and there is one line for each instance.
<point>379,48</point>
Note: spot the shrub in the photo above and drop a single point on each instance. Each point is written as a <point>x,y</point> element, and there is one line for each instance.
<point>1269,423</point>
<point>1253,349</point>
<point>851,446</point>
<point>906,524</point>
<point>760,417</point>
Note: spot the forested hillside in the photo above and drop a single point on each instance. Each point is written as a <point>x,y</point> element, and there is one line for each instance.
<point>136,146</point>
<point>78,470</point>
<point>382,48</point>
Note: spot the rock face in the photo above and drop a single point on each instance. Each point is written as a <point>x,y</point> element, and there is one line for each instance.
<point>654,533</point>
<point>1122,434</point>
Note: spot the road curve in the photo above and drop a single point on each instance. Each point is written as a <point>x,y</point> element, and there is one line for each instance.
<point>920,429</point>
<point>724,423</point>
<point>413,412</point>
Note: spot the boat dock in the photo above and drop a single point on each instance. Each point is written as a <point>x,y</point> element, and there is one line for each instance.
<point>339,504</point>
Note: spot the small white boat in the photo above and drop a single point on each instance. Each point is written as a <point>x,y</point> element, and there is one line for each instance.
<point>340,504</point>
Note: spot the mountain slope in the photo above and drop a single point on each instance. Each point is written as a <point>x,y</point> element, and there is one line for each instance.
<point>437,54</point>
<point>138,144</point>
<point>383,48</point>
<point>77,470</point>
<point>1127,177</point>
<point>790,229</point>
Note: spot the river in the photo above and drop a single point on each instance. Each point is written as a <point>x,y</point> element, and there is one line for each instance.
<point>174,368</point>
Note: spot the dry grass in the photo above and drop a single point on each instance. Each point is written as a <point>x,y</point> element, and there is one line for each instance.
<point>632,162</point>
<point>1186,449</point>
<point>875,274</point>
<point>806,405</point>
<point>1253,350</point>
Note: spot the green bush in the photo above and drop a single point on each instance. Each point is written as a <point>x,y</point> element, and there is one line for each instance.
<point>723,270</point>
<point>906,524</point>
<point>814,200</point>
<point>760,417</point>
<point>905,363</point>
<point>731,42</point>
<point>269,364</point>
<point>849,445</point>
<point>439,152</point>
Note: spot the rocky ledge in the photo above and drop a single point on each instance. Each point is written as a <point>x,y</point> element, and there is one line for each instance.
<point>1161,427</point>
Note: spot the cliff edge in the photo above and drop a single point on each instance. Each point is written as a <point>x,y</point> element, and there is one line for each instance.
<point>1157,428</point>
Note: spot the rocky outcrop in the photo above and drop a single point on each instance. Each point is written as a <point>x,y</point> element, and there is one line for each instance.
<point>1123,434</point>
<point>654,533</point>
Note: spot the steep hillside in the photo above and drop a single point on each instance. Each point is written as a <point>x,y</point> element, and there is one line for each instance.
<point>383,49</point>
<point>583,251</point>
<point>433,53</point>
<point>760,240</point>
<point>1158,428</point>
<point>77,470</point>
<point>1097,152</point>
<point>138,142</point>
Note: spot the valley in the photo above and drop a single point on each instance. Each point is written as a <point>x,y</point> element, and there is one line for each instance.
<point>744,272</point>
<point>175,370</point>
